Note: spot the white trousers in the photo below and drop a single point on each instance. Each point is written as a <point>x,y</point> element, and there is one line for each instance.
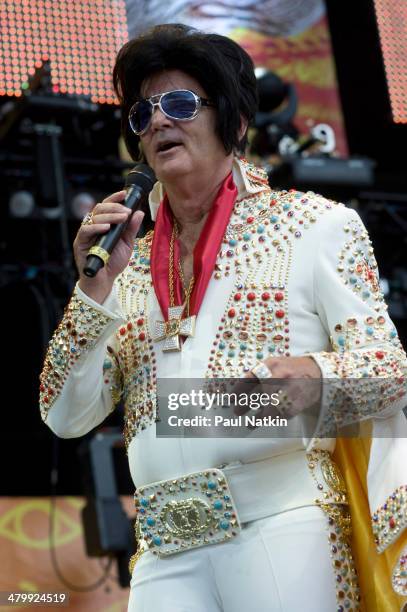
<point>277,564</point>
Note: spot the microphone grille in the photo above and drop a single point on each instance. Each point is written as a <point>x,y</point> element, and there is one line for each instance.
<point>141,175</point>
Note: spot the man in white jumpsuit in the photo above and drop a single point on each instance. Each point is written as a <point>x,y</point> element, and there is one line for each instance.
<point>267,283</point>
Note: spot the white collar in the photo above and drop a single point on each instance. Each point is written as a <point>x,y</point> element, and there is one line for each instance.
<point>244,184</point>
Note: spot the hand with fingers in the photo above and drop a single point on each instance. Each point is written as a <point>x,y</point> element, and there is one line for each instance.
<point>296,379</point>
<point>103,216</point>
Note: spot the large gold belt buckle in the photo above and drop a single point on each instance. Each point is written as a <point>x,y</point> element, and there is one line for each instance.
<point>186,512</point>
<point>187,518</point>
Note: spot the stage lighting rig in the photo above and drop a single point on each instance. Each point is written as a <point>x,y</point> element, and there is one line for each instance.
<point>79,39</point>
<point>278,103</point>
<point>303,161</point>
<point>21,204</point>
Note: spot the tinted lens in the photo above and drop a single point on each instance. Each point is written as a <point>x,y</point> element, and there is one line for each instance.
<point>179,104</point>
<point>140,116</point>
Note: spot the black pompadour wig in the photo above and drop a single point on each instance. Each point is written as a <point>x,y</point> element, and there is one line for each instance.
<point>220,65</point>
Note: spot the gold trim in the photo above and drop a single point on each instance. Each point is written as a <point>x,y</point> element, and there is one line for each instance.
<point>140,547</point>
<point>99,252</point>
<point>134,558</point>
<point>341,515</point>
<point>333,476</point>
<point>346,578</point>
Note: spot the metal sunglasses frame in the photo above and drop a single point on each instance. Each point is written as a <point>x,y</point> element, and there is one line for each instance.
<point>156,101</point>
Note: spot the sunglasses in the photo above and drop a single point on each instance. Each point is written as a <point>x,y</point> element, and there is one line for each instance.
<point>180,104</point>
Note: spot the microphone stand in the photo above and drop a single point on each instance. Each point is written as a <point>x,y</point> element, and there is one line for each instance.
<point>49,153</point>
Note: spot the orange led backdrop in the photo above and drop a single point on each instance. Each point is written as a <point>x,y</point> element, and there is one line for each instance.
<point>80,39</point>
<point>392,22</point>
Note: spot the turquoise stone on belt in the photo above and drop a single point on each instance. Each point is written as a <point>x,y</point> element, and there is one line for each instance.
<point>184,513</point>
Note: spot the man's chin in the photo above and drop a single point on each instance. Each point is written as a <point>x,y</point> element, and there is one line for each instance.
<point>169,168</point>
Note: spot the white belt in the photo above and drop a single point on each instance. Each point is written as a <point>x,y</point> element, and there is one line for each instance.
<point>208,507</point>
<point>271,486</point>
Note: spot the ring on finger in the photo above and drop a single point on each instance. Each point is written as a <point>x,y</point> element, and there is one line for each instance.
<point>261,371</point>
<point>87,219</point>
<point>284,405</point>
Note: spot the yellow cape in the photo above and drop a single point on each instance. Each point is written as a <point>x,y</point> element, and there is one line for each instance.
<point>374,570</point>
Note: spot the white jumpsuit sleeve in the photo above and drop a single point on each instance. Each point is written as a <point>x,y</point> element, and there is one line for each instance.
<point>365,372</point>
<point>80,383</point>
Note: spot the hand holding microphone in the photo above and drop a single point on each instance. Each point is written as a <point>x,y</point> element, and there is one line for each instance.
<point>115,227</point>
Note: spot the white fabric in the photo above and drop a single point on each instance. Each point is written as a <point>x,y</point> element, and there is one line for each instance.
<point>79,407</point>
<point>280,563</point>
<point>277,564</point>
<point>293,486</point>
<point>317,300</point>
<point>249,485</point>
<point>388,458</point>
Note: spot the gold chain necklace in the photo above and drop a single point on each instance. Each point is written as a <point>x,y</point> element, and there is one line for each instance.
<point>177,325</point>
<point>171,271</point>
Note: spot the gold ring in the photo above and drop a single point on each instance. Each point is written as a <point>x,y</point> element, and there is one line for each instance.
<point>284,405</point>
<point>261,371</point>
<point>87,219</point>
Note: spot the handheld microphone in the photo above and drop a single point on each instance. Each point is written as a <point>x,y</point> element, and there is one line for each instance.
<point>139,183</point>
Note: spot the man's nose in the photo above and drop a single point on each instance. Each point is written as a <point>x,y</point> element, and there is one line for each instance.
<point>159,119</point>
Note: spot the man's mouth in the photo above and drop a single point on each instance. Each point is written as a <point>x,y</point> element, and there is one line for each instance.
<point>167,146</point>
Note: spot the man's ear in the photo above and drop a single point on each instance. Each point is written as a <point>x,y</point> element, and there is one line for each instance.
<point>243,127</point>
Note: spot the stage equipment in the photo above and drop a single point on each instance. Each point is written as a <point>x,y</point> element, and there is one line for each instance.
<point>294,159</point>
<point>322,134</point>
<point>391,18</point>
<point>317,172</point>
<point>277,100</point>
<point>79,39</point>
<point>370,50</point>
<point>385,214</point>
<point>305,162</point>
<point>107,529</point>
<point>277,107</point>
<point>21,204</point>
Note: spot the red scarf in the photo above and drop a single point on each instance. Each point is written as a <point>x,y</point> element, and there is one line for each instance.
<point>205,251</point>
